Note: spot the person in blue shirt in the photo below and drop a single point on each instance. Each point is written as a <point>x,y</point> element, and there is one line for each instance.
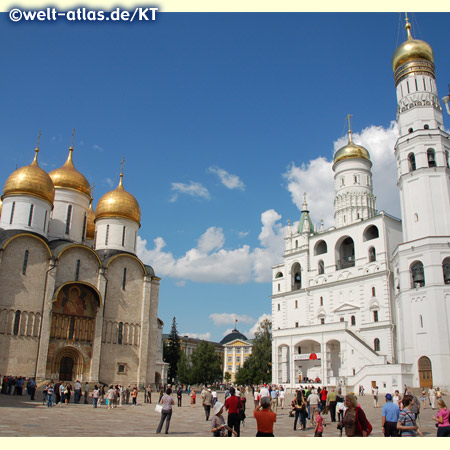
<point>389,417</point>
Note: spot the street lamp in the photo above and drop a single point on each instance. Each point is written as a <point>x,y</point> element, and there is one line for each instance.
<point>446,101</point>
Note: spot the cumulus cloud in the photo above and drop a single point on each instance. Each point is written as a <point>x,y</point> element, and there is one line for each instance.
<point>251,333</point>
<point>192,189</point>
<point>201,336</point>
<point>316,177</point>
<point>229,318</point>
<point>243,234</point>
<point>209,262</point>
<point>228,180</point>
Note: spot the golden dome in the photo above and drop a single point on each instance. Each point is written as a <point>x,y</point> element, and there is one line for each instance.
<point>412,57</point>
<point>68,177</point>
<point>90,225</point>
<point>118,203</point>
<point>350,151</point>
<point>30,180</point>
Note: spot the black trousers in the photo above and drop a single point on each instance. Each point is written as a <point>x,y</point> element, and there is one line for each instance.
<point>262,434</point>
<point>207,409</point>
<point>300,413</point>
<point>166,415</point>
<point>234,423</point>
<point>390,429</point>
<point>333,411</point>
<point>443,432</point>
<point>179,401</point>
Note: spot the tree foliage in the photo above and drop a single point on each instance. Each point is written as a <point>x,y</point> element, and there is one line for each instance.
<point>171,352</point>
<point>258,367</point>
<point>203,367</point>
<point>184,372</point>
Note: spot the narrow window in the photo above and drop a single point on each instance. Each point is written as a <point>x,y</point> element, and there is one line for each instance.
<point>135,240</point>
<point>107,235</point>
<point>431,158</point>
<point>353,320</point>
<point>376,344</point>
<point>407,87</point>
<point>30,216</point>
<point>417,87</point>
<point>278,306</point>
<point>77,270</point>
<point>296,304</point>
<point>447,159</point>
<point>341,319</point>
<point>296,324</point>
<point>123,236</point>
<point>12,213</point>
<point>71,327</point>
<point>119,337</point>
<point>16,323</point>
<point>421,321</point>
<point>321,267</point>
<point>45,219</point>
<point>373,291</point>
<point>84,227</point>
<point>124,278</point>
<point>424,84</point>
<point>68,217</point>
<point>372,254</point>
<point>279,287</point>
<point>412,162</point>
<point>296,244</point>
<point>25,262</point>
<point>375,316</point>
<point>95,239</point>
<point>321,301</point>
<point>322,321</point>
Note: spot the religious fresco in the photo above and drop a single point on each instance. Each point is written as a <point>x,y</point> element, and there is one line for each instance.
<point>76,300</point>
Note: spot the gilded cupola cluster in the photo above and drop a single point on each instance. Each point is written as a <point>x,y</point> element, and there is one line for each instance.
<point>30,180</point>
<point>412,57</point>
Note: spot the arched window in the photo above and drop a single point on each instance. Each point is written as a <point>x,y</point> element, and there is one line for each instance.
<point>353,320</point>
<point>346,254</point>
<point>447,159</point>
<point>372,254</point>
<point>321,267</point>
<point>375,315</point>
<point>296,272</point>
<point>16,323</point>
<point>320,248</point>
<point>321,301</point>
<point>25,262</point>
<point>371,233</point>
<point>446,270</point>
<point>411,162</point>
<point>68,217</point>
<point>373,291</point>
<point>120,334</point>
<point>417,274</point>
<point>431,157</point>
<point>296,244</point>
<point>279,275</point>
<point>376,344</point>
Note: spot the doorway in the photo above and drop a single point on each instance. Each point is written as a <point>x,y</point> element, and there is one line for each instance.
<point>425,372</point>
<point>66,368</point>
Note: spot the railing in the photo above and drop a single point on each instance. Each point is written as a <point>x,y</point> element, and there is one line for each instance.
<point>72,328</point>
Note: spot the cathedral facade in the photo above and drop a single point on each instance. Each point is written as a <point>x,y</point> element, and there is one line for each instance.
<point>75,300</point>
<point>367,302</point>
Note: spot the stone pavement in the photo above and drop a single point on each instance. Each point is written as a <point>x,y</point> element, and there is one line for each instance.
<point>19,416</point>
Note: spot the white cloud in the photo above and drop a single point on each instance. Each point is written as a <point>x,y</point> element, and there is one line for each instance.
<point>209,262</point>
<point>228,180</point>
<point>229,318</point>
<point>109,182</point>
<point>227,331</point>
<point>201,336</point>
<point>97,147</point>
<point>251,333</point>
<point>193,189</point>
<point>316,177</point>
<point>243,234</point>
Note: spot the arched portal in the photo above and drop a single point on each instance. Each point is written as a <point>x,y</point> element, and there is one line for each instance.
<point>66,368</point>
<point>425,372</point>
<point>307,361</point>
<point>334,360</point>
<point>68,365</point>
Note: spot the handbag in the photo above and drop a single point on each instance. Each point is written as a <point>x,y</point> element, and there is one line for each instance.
<point>158,408</point>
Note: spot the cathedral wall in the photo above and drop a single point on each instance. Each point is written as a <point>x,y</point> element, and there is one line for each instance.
<point>22,278</point>
<point>18,355</point>
<point>113,355</point>
<point>67,266</point>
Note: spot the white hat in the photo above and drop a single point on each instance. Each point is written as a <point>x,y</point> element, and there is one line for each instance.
<point>217,407</point>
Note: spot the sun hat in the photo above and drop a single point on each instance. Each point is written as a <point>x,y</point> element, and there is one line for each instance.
<point>217,407</point>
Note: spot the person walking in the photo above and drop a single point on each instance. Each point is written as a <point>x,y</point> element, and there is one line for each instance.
<point>375,396</point>
<point>214,396</point>
<point>167,402</point>
<point>432,397</point>
<point>50,395</point>
<point>207,402</point>
<point>300,410</point>
<point>95,396</point>
<point>389,417</point>
<point>110,397</point>
<point>149,394</point>
<point>232,405</point>
<point>313,401</point>
<point>134,395</point>
<point>407,425</point>
<point>355,422</point>
<point>282,396</point>
<point>320,423</point>
<point>274,399</point>
<point>32,388</point>
<point>332,400</point>
<point>193,396</point>
<point>77,392</point>
<point>179,396</point>
<point>86,392</point>
<point>442,419</point>
<point>265,418</point>
<point>44,394</point>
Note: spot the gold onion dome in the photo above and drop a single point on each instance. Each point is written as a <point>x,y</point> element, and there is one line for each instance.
<point>67,177</point>
<point>118,203</point>
<point>412,50</point>
<point>30,180</point>
<point>351,151</point>
<point>90,225</point>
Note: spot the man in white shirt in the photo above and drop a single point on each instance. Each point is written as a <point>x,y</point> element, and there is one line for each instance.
<point>282,396</point>
<point>313,401</point>
<point>375,396</point>
<point>274,398</point>
<point>264,392</point>
<point>77,391</point>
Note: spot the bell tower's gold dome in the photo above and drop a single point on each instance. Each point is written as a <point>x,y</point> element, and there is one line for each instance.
<point>118,203</point>
<point>67,177</point>
<point>412,57</point>
<point>30,180</point>
<point>351,151</point>
<point>90,224</point>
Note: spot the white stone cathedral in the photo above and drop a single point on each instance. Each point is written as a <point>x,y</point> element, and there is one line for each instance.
<point>367,302</point>
<point>75,301</point>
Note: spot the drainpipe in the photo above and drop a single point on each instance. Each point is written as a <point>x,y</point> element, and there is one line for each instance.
<point>52,266</point>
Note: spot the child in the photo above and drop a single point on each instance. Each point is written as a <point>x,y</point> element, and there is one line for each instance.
<point>318,430</point>
<point>218,426</point>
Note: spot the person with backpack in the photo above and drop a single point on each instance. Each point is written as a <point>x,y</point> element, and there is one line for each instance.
<point>407,425</point>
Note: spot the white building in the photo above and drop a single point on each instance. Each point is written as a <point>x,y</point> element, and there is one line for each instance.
<point>367,302</point>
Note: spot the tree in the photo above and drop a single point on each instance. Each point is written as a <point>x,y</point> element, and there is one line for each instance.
<point>184,370</point>
<point>258,367</point>
<point>172,352</point>
<point>205,364</point>
<point>227,377</point>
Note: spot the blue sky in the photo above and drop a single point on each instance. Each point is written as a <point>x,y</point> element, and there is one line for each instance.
<point>224,120</point>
